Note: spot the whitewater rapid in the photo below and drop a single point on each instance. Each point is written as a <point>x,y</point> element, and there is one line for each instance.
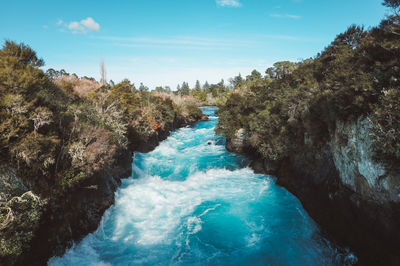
<point>191,202</point>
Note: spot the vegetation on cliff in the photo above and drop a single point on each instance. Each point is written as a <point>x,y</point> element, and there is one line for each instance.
<point>58,130</point>
<point>356,75</point>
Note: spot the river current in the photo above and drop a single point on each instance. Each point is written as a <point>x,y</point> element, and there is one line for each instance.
<point>191,202</point>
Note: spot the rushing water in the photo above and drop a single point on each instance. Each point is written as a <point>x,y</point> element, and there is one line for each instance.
<point>192,202</point>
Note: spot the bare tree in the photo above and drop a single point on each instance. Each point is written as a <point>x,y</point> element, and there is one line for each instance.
<point>41,116</point>
<point>103,79</point>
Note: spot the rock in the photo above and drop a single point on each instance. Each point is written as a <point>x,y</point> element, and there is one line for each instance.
<point>257,166</point>
<point>204,118</point>
<point>344,190</point>
<point>238,143</point>
<point>271,167</point>
<point>352,149</point>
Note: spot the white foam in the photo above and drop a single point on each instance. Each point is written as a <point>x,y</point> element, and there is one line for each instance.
<point>153,208</point>
<point>165,149</point>
<point>194,224</point>
<point>84,254</point>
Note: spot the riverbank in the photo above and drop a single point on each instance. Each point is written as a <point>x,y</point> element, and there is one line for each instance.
<point>79,213</point>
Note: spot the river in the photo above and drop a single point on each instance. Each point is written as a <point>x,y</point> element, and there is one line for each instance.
<point>194,203</point>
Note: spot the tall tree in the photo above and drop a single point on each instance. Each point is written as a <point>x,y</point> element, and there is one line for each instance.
<point>143,88</point>
<point>237,81</point>
<point>184,89</point>
<point>206,87</point>
<point>255,75</point>
<point>103,77</point>
<point>197,87</point>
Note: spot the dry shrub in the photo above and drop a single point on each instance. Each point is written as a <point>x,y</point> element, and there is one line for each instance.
<point>99,151</point>
<point>80,86</point>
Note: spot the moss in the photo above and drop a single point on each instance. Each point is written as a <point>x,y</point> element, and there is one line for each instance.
<point>70,179</point>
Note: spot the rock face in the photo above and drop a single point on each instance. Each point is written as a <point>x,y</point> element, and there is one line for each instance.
<point>66,218</point>
<point>353,198</point>
<point>239,142</point>
<point>140,144</point>
<point>352,152</point>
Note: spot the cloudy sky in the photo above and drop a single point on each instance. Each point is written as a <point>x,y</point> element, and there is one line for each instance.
<point>165,42</point>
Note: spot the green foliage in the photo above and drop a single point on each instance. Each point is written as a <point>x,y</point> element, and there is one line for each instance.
<point>22,53</point>
<point>357,74</point>
<point>70,179</point>
<point>194,111</point>
<point>387,127</point>
<point>183,90</point>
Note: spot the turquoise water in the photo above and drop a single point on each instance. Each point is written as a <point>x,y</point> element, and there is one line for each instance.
<point>194,203</point>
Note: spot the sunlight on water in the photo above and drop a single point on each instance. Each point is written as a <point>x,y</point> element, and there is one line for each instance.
<point>190,202</point>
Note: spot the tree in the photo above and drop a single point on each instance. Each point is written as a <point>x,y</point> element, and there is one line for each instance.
<point>143,88</point>
<point>206,87</point>
<point>184,89</point>
<point>255,75</point>
<point>237,81</point>
<point>159,89</point>
<point>51,73</point>
<point>393,4</point>
<point>352,37</point>
<point>124,86</point>
<point>23,52</point>
<point>40,117</point>
<point>62,72</point>
<point>19,70</point>
<point>103,77</point>
<point>280,70</point>
<point>178,89</point>
<point>162,89</point>
<point>197,87</point>
<point>15,104</point>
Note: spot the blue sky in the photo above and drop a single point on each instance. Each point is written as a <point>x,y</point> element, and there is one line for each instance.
<point>165,42</point>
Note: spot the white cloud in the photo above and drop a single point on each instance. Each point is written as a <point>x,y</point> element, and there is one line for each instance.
<point>287,38</point>
<point>85,25</point>
<point>76,27</point>
<point>229,3</point>
<point>90,24</point>
<point>285,16</point>
<point>178,42</point>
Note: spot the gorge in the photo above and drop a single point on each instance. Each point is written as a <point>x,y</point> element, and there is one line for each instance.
<point>295,163</point>
<point>192,202</point>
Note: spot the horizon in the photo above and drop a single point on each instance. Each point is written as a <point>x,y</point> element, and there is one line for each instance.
<point>165,44</point>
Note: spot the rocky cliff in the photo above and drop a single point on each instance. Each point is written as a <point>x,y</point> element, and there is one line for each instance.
<point>352,149</point>
<point>353,197</point>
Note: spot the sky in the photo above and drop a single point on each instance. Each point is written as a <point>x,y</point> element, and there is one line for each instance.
<point>166,42</point>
